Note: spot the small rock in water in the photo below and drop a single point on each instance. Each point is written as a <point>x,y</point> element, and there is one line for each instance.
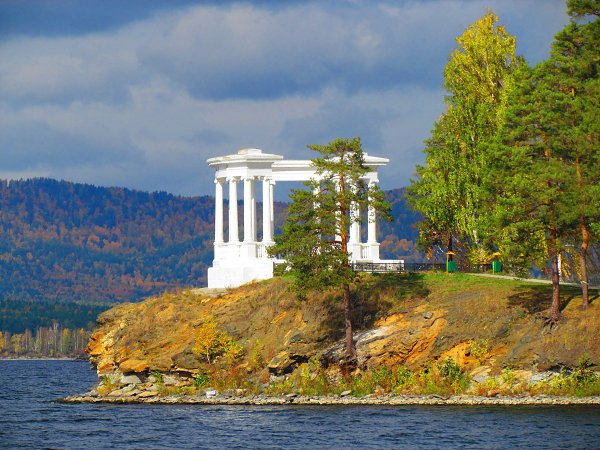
<point>345,393</point>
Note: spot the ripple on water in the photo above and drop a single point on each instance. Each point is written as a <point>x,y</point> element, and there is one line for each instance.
<point>30,420</point>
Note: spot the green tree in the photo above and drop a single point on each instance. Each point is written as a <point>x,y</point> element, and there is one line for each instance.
<point>66,345</point>
<point>546,153</point>
<point>574,67</point>
<point>581,8</point>
<point>314,241</point>
<point>532,204</point>
<point>447,189</point>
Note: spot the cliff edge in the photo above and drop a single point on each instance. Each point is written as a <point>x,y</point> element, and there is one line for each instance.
<point>411,320</point>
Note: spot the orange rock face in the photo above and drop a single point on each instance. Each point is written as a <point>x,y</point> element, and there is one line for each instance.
<point>406,321</point>
<point>159,333</point>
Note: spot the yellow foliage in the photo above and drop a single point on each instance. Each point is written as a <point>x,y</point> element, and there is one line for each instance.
<point>211,343</point>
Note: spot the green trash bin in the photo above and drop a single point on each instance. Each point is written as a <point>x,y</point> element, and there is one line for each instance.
<point>450,266</point>
<point>496,266</point>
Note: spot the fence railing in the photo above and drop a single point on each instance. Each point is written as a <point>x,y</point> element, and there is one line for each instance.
<point>415,267</point>
<point>359,266</point>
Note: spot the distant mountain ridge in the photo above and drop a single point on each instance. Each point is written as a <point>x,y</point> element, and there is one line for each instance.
<point>71,242</point>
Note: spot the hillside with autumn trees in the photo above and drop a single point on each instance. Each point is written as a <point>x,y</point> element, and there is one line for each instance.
<point>68,251</point>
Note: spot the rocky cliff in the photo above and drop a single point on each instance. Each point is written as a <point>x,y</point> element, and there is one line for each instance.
<point>484,324</point>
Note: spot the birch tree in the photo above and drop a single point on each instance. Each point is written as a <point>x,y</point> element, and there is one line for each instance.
<point>447,189</point>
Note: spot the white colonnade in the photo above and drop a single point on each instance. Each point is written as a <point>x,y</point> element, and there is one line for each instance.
<point>237,262</point>
<point>249,246</point>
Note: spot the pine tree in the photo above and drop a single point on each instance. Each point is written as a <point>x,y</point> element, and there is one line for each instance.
<point>575,65</point>
<point>314,241</point>
<point>533,203</point>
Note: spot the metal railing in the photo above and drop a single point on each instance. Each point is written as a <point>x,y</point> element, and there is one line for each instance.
<point>359,266</point>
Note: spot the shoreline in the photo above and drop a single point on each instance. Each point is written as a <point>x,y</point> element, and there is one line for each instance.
<point>42,358</point>
<point>386,400</point>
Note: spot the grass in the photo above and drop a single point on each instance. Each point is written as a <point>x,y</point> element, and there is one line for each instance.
<point>445,378</point>
<point>442,378</point>
<point>478,321</point>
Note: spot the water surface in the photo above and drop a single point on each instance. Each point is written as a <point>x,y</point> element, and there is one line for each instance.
<point>30,419</point>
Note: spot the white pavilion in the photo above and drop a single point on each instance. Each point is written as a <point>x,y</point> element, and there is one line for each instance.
<point>239,260</point>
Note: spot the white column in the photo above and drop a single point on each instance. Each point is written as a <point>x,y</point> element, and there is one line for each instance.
<point>247,209</point>
<point>218,211</point>
<point>354,245</point>
<point>372,227</point>
<point>253,225</point>
<point>338,227</point>
<point>272,201</point>
<point>354,224</point>
<point>233,211</point>
<point>267,205</point>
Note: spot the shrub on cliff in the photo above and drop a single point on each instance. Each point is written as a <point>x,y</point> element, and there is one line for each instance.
<point>211,343</point>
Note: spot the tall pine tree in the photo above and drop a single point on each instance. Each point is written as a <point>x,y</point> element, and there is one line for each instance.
<point>575,66</point>
<point>314,241</point>
<point>528,179</point>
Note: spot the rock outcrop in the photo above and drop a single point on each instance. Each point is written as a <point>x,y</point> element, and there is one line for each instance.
<point>483,326</point>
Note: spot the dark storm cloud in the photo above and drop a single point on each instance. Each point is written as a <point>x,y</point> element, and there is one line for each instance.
<point>139,93</point>
<point>77,17</point>
<point>53,18</point>
<point>245,52</point>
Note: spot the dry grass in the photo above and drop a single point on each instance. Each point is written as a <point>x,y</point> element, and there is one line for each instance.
<point>506,315</point>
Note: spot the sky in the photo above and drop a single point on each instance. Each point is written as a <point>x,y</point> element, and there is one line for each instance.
<point>139,93</point>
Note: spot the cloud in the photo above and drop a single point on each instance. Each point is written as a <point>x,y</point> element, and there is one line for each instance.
<point>393,126</point>
<point>75,17</point>
<point>65,70</point>
<point>145,95</point>
<point>250,52</point>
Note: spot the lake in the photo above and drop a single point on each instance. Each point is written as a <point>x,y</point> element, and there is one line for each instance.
<point>30,419</point>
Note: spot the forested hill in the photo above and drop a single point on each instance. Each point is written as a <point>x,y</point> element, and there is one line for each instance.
<point>61,241</point>
<point>68,242</point>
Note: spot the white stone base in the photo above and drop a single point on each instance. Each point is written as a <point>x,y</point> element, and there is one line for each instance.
<point>226,274</point>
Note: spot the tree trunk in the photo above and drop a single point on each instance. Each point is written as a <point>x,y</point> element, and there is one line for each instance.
<point>350,350</point>
<point>585,238</point>
<point>584,231</point>
<point>555,306</point>
<point>450,254</point>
